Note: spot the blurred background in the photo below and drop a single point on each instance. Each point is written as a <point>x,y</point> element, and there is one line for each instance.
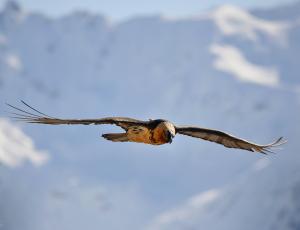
<point>228,65</point>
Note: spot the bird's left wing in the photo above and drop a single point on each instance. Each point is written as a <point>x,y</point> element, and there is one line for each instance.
<point>228,140</point>
<point>32,115</point>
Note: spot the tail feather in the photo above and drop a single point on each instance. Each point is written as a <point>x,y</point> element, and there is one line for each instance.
<point>116,137</point>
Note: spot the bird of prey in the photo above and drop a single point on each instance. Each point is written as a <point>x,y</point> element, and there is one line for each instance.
<point>154,132</point>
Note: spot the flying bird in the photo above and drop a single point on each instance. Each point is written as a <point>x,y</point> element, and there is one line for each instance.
<point>154,132</point>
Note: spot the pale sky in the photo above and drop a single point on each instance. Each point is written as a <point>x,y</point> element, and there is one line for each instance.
<point>124,9</point>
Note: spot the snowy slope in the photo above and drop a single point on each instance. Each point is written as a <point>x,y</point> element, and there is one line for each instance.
<point>227,69</point>
<point>266,197</point>
<point>15,147</point>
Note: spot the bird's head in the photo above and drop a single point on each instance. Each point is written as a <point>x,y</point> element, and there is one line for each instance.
<point>169,131</point>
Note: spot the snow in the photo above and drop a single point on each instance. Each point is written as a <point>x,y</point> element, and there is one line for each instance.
<point>233,20</point>
<point>231,60</point>
<point>242,204</point>
<point>13,62</point>
<point>235,77</point>
<point>16,147</point>
<point>184,213</point>
<point>261,164</point>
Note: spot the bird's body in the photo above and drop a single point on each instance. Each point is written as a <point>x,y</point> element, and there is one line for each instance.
<point>140,135</point>
<point>157,132</point>
<point>154,132</point>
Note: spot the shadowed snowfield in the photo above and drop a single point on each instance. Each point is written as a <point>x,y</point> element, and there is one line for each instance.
<point>228,69</point>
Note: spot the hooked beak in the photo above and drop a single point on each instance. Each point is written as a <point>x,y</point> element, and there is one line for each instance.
<point>170,137</point>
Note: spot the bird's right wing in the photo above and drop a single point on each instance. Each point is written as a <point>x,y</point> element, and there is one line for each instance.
<point>228,140</point>
<point>37,117</point>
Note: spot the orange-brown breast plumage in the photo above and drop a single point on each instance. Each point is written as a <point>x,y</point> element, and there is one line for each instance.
<point>139,134</point>
<point>160,133</point>
<point>159,136</point>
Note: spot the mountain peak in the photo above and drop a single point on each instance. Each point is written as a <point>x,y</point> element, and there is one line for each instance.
<point>12,13</point>
<point>233,20</point>
<point>229,9</point>
<point>12,7</point>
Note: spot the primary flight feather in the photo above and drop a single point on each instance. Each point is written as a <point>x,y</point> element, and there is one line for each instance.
<point>155,132</point>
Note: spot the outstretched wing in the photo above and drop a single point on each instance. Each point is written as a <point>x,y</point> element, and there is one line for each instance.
<point>228,140</point>
<point>32,115</point>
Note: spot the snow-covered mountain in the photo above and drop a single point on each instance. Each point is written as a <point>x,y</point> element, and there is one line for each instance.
<point>229,69</point>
